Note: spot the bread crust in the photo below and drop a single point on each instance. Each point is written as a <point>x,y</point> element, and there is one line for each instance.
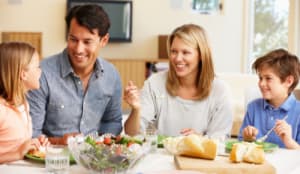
<point>247,152</point>
<point>196,146</point>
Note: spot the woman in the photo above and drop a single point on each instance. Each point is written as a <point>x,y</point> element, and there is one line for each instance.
<point>186,99</point>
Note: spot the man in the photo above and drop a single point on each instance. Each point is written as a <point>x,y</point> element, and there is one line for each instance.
<point>80,93</point>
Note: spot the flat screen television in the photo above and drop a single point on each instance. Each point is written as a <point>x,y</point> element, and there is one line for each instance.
<point>119,13</point>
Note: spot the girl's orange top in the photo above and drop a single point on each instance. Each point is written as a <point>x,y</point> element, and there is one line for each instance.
<point>15,127</point>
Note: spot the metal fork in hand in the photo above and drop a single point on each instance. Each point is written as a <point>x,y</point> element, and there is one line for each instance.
<point>263,138</point>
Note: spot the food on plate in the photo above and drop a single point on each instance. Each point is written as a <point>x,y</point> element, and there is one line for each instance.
<point>192,145</point>
<point>40,153</point>
<point>247,152</point>
<point>266,146</point>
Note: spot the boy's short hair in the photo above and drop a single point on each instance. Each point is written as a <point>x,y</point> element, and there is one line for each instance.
<point>282,62</point>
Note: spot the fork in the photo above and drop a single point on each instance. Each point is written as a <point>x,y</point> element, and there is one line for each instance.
<point>263,138</point>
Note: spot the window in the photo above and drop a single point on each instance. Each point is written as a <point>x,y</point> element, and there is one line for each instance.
<point>270,24</point>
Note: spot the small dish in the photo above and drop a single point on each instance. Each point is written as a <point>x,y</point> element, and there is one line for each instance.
<point>268,147</point>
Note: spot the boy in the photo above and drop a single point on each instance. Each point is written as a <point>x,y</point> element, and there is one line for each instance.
<point>278,73</point>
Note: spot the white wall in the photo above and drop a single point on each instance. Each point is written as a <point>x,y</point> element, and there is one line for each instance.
<point>150,18</point>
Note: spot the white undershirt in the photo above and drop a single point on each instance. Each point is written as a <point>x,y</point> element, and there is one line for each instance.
<point>22,110</point>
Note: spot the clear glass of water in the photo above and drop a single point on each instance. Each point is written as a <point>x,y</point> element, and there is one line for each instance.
<point>151,137</point>
<point>222,139</point>
<point>57,159</point>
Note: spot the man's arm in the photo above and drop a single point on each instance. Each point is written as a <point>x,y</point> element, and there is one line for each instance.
<point>62,140</point>
<point>111,121</point>
<point>38,102</point>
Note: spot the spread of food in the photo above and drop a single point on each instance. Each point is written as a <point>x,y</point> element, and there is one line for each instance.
<point>107,153</point>
<point>206,148</point>
<point>247,152</point>
<point>39,153</point>
<point>192,145</point>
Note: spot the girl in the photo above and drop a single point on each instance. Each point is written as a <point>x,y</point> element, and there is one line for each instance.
<point>19,72</point>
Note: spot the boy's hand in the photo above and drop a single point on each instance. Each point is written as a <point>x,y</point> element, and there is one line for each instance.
<point>283,130</point>
<point>249,133</point>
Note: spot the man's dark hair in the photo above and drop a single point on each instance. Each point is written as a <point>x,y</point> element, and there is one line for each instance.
<point>90,16</point>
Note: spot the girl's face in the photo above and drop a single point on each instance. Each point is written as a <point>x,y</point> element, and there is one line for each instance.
<point>184,59</point>
<point>32,73</point>
<point>271,87</point>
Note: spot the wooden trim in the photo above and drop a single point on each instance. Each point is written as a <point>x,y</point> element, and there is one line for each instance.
<point>34,38</point>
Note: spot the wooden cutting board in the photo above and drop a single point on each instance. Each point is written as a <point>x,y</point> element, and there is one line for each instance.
<point>222,165</point>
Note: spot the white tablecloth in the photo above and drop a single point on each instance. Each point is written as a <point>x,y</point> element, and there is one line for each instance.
<point>285,161</point>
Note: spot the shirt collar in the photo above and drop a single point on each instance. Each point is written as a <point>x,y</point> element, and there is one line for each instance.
<point>66,67</point>
<point>286,105</point>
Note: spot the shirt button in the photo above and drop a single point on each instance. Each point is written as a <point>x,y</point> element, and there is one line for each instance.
<point>79,82</point>
<point>62,106</point>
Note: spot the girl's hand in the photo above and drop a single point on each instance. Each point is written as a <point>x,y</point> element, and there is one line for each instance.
<point>249,133</point>
<point>132,95</point>
<point>28,145</point>
<point>43,140</point>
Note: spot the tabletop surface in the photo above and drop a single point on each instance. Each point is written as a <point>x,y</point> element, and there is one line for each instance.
<point>285,161</point>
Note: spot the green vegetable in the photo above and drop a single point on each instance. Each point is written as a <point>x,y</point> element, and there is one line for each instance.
<point>90,141</point>
<point>160,139</point>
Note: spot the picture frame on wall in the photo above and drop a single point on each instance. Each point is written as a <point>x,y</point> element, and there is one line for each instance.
<point>207,6</point>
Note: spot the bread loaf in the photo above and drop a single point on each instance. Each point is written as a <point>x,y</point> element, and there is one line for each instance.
<point>247,152</point>
<point>197,146</point>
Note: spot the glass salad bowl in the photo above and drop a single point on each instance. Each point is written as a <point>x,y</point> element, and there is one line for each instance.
<point>107,154</point>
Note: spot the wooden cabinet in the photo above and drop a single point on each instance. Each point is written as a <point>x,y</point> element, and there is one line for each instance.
<point>136,70</point>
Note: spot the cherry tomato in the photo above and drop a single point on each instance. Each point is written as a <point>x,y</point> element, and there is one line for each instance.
<point>129,143</point>
<point>107,140</point>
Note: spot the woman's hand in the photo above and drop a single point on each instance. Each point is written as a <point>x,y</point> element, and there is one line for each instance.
<point>132,95</point>
<point>187,131</point>
<point>249,133</point>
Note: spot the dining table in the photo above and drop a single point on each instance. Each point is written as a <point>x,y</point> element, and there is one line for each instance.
<point>285,161</point>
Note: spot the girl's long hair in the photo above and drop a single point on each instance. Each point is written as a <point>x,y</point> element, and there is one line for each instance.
<point>14,57</point>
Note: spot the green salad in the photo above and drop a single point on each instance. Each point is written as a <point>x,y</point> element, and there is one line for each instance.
<point>109,156</point>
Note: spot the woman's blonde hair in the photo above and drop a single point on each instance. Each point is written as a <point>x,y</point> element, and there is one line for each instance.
<point>194,36</point>
<point>14,57</point>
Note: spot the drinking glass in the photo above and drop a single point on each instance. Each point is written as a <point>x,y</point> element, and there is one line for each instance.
<point>57,159</point>
<point>222,139</point>
<point>151,136</point>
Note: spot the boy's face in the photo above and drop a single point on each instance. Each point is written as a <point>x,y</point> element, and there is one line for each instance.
<point>272,88</point>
